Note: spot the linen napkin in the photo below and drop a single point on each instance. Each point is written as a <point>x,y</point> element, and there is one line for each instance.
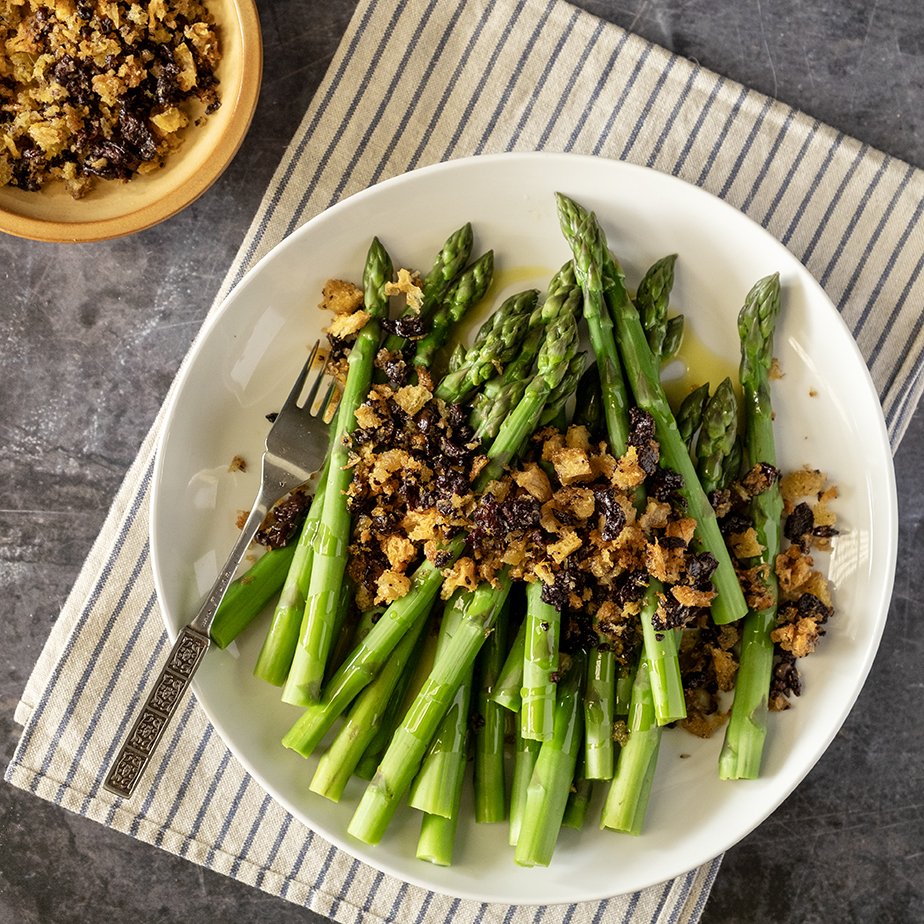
<point>416,82</point>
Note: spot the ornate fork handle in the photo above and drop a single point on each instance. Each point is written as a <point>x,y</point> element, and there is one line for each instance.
<point>183,661</point>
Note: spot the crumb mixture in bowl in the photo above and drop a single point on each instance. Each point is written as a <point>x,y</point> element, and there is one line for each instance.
<point>100,89</point>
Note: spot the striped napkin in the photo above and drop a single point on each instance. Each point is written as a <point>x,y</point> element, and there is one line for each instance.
<point>416,82</point>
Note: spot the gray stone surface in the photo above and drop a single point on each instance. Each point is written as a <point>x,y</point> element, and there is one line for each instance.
<point>91,336</point>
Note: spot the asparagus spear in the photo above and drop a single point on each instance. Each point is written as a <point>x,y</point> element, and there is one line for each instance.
<point>248,594</point>
<point>467,290</point>
<point>510,679</point>
<point>303,684</point>
<point>627,799</point>
<point>690,414</point>
<point>729,604</point>
<point>497,342</point>
<point>550,784</point>
<point>747,729</point>
<point>279,644</point>
<point>652,299</point>
<point>673,337</point>
<point>524,761</point>
<point>717,436</point>
<point>411,739</point>
<point>447,264</point>
<point>540,665</point>
<point>490,721</point>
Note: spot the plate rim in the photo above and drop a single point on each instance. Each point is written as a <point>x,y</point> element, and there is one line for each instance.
<point>890,528</point>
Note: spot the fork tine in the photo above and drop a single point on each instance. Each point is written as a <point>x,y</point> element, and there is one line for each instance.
<point>326,400</point>
<point>313,391</point>
<point>296,391</point>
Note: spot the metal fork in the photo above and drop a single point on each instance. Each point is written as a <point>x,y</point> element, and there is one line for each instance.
<point>295,448</point>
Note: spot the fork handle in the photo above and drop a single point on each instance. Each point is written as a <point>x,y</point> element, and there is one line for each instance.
<point>162,702</point>
<point>185,657</point>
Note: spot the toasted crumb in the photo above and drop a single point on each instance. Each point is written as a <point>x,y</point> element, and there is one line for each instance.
<point>535,481</point>
<point>572,465</point>
<point>569,543</point>
<point>407,284</point>
<point>392,586</point>
<point>462,574</point>
<point>745,545</point>
<point>690,596</point>
<point>344,326</point>
<point>412,398</point>
<point>797,637</point>
<point>629,473</point>
<point>238,464</point>
<point>341,297</point>
<point>803,482</point>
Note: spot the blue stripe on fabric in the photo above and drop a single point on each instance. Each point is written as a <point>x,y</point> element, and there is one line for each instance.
<point>681,899</point>
<point>700,119</point>
<point>85,674</point>
<point>893,319</point>
<point>299,149</point>
<point>482,83</point>
<point>855,218</point>
<point>771,155</point>
<point>251,834</point>
<point>296,866</point>
<point>543,80</point>
<point>424,905</point>
<point>569,87</point>
<point>464,59</point>
<point>723,134</point>
<point>889,266</point>
<point>409,51</point>
<point>106,572</point>
<point>669,123</point>
<point>512,80</point>
<point>418,94</point>
<point>793,167</point>
<point>200,815</point>
<point>834,202</point>
<point>711,873</point>
<point>274,850</point>
<point>167,751</point>
<point>663,900</point>
<point>347,882</point>
<point>745,149</point>
<point>102,703</point>
<point>373,891</point>
<point>508,917</point>
<point>539,915</point>
<point>325,867</point>
<point>397,902</point>
<point>601,910</point>
<point>626,90</point>
<point>646,109</point>
<point>482,911</point>
<point>595,95</point>
<point>569,914</point>
<point>630,910</point>
<point>226,823</point>
<point>812,188</point>
<point>325,157</point>
<point>874,237</point>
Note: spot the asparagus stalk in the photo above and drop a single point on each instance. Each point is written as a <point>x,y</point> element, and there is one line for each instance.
<point>245,598</point>
<point>578,799</point>
<point>497,342</point>
<point>490,722</point>
<point>540,665</point>
<point>434,788</point>
<point>524,761</point>
<point>627,800</point>
<point>337,764</point>
<point>673,337</point>
<point>306,675</point>
<point>438,835</point>
<point>547,793</point>
<point>690,414</point>
<point>278,648</point>
<point>510,679</point>
<point>447,264</point>
<point>717,436</point>
<point>652,299</point>
<point>399,765</point>
<point>642,370</point>
<point>744,737</point>
<point>467,290</point>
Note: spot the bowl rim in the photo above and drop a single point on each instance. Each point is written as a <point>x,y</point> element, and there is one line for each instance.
<point>243,103</point>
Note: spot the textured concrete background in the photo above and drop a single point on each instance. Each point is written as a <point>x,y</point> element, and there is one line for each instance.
<point>91,336</point>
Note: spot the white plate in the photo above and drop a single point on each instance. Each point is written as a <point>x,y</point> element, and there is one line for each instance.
<point>828,416</point>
